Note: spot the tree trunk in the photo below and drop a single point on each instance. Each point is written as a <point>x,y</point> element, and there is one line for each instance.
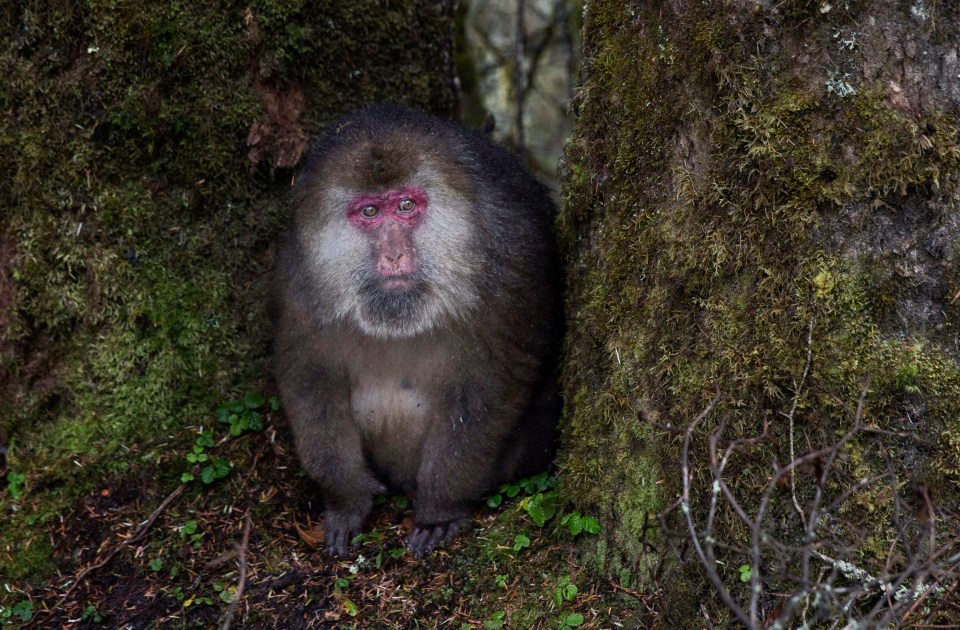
<point>762,216</point>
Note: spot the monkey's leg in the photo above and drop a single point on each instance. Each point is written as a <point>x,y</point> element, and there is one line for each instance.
<point>459,463</point>
<point>330,449</point>
<point>531,446</point>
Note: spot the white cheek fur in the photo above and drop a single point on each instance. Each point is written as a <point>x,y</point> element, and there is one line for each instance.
<point>340,260</point>
<point>445,241</point>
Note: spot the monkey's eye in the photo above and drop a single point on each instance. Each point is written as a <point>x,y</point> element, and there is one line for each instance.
<point>407,205</point>
<point>369,211</point>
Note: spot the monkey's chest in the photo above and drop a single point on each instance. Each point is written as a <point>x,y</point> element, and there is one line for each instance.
<point>392,417</point>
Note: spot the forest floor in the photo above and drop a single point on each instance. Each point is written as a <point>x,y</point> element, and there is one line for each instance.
<point>145,549</point>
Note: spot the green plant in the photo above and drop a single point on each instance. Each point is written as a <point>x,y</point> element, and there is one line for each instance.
<point>15,484</point>
<point>227,593</point>
<point>541,507</point>
<point>215,468</point>
<point>500,581</point>
<point>197,600</point>
<point>399,501</point>
<point>192,600</point>
<point>22,611</point>
<point>571,620</point>
<point>564,592</point>
<point>746,573</point>
<point>531,485</point>
<point>541,502</point>
<point>91,614</point>
<point>520,541</point>
<point>578,524</point>
<point>339,586</point>
<point>242,415</point>
<point>189,532</point>
<point>377,538</point>
<point>496,620</point>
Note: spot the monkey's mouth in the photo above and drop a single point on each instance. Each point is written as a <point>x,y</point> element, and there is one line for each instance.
<point>393,301</point>
<point>397,283</point>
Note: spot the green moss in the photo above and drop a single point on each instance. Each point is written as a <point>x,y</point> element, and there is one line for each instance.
<point>706,239</point>
<point>140,229</point>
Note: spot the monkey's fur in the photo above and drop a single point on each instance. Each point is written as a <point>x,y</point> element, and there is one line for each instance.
<point>417,354</point>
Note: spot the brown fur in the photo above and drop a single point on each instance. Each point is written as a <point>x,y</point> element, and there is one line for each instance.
<point>456,396</point>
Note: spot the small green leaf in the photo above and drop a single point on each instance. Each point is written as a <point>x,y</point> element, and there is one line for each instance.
<point>746,573</point>
<point>350,607</point>
<point>23,610</point>
<point>590,525</point>
<point>573,620</point>
<point>186,478</point>
<point>537,514</point>
<point>253,400</point>
<point>520,541</point>
<point>90,613</point>
<point>14,485</point>
<point>496,620</point>
<point>218,469</point>
<point>495,500</point>
<point>542,507</point>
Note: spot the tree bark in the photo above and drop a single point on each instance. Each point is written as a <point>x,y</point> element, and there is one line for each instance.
<point>763,206</point>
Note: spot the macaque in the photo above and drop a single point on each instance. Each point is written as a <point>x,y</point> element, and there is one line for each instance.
<point>418,321</point>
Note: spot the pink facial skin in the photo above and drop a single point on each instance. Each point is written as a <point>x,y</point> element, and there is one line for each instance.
<point>389,219</point>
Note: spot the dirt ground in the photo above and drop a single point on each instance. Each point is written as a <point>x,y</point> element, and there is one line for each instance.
<point>246,551</point>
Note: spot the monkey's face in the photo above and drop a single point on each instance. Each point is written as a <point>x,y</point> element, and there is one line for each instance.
<point>397,259</point>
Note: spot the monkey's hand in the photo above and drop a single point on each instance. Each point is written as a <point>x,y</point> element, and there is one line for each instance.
<point>340,527</point>
<point>424,538</point>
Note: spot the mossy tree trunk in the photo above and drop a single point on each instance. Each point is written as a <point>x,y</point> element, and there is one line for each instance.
<point>144,150</point>
<point>763,200</point>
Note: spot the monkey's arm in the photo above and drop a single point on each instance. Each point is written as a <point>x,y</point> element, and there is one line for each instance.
<point>316,400</point>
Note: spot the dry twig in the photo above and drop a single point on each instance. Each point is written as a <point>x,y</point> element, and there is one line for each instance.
<point>242,582</point>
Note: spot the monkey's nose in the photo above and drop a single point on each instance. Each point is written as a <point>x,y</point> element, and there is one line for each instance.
<point>391,263</point>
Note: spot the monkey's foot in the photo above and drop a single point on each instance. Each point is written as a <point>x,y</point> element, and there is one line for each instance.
<point>424,538</point>
<point>340,527</point>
